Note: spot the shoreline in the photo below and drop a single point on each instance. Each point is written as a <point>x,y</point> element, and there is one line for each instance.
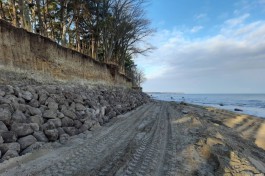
<point>173,138</point>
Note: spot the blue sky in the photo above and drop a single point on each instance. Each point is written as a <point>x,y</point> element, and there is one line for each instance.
<point>206,46</point>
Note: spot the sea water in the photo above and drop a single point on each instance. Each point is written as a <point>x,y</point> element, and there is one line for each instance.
<point>252,104</point>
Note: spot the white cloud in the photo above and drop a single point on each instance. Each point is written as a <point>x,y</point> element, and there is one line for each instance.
<point>230,61</point>
<point>196,29</point>
<point>238,20</point>
<point>200,16</point>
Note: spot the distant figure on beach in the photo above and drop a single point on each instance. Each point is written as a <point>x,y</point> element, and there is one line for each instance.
<point>171,98</point>
<point>183,99</point>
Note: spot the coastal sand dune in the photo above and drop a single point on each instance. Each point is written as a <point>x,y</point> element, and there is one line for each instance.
<point>159,138</point>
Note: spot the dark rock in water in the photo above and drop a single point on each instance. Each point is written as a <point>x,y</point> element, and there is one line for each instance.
<point>221,104</point>
<point>236,109</point>
<point>183,103</point>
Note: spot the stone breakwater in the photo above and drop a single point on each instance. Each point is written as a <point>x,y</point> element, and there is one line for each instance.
<point>31,116</point>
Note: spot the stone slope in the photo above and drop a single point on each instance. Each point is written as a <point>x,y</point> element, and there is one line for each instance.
<point>33,115</point>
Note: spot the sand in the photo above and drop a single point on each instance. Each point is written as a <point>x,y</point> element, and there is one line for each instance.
<point>159,138</point>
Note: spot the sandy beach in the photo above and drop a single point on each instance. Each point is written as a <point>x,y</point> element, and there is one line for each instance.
<point>159,138</point>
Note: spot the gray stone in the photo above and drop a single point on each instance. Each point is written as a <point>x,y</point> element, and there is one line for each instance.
<point>77,123</point>
<point>64,138</point>
<point>60,131</point>
<point>67,122</point>
<point>34,126</point>
<point>9,136</point>
<point>10,154</point>
<point>1,141</point>
<point>3,127</point>
<point>2,93</point>
<point>4,100</point>
<point>48,126</point>
<point>27,95</point>
<point>21,107</point>
<point>49,100</point>
<point>36,119</point>
<point>52,135</point>
<point>9,146</point>
<point>84,128</point>
<point>42,98</point>
<point>9,90</point>
<point>60,115</point>
<point>53,105</point>
<point>70,130</point>
<point>21,129</point>
<point>34,111</point>
<point>103,110</point>
<point>50,114</point>
<point>26,141</point>
<point>57,122</point>
<point>69,114</point>
<point>19,117</point>
<point>31,148</point>
<point>34,103</point>
<point>40,136</point>
<point>43,108</point>
<point>80,107</point>
<point>5,115</point>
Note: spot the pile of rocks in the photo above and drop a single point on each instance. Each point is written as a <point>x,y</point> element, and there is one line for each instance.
<point>33,115</point>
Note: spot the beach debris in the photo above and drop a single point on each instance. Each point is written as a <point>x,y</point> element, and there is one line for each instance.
<point>185,111</point>
<point>236,109</point>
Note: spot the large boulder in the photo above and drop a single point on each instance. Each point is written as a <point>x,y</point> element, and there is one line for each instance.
<point>27,95</point>
<point>64,138</point>
<point>70,130</point>
<point>9,136</point>
<point>52,135</point>
<point>34,126</point>
<point>5,115</point>
<point>21,129</point>
<point>56,122</point>
<point>69,114</point>
<point>26,141</point>
<point>35,146</point>
<point>53,105</point>
<point>36,119</point>
<point>19,117</point>
<point>40,136</point>
<point>80,107</point>
<point>10,154</point>
<point>3,127</point>
<point>50,114</point>
<point>9,146</point>
<point>66,122</point>
<point>34,111</point>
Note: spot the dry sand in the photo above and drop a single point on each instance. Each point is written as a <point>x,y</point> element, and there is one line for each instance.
<point>160,138</point>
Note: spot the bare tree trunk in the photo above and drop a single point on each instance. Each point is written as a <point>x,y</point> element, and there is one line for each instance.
<point>14,13</point>
<point>2,13</point>
<point>21,12</point>
<point>40,22</point>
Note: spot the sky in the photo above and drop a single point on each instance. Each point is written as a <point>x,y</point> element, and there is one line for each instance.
<point>205,46</point>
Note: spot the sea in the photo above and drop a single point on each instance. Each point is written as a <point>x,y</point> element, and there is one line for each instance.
<point>251,104</point>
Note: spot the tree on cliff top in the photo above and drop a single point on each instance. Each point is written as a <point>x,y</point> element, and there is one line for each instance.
<point>109,31</point>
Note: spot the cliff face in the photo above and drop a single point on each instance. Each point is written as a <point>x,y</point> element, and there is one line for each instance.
<point>24,51</point>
